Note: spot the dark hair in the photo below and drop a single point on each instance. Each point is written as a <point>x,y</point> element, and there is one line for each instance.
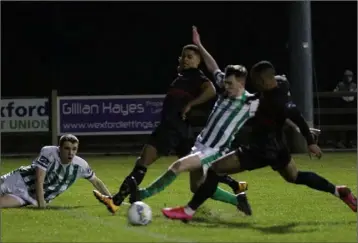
<point>261,66</point>
<point>238,71</point>
<point>68,138</point>
<point>193,48</point>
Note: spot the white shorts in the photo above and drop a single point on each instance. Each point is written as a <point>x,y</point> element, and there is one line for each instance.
<point>206,154</point>
<point>13,185</point>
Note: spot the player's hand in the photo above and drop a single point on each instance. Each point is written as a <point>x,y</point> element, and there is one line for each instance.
<point>315,150</point>
<point>196,36</point>
<point>186,109</point>
<point>41,205</point>
<point>180,66</point>
<point>315,134</point>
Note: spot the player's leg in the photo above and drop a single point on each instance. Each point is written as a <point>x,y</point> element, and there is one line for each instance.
<point>235,185</point>
<point>13,191</point>
<point>208,188</point>
<point>196,178</point>
<point>159,143</point>
<point>204,192</point>
<point>208,157</point>
<point>188,163</point>
<point>11,201</point>
<point>291,174</point>
<point>199,156</point>
<point>147,157</point>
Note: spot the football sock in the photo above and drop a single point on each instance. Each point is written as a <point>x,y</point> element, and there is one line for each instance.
<point>158,185</point>
<point>189,211</point>
<point>230,182</point>
<point>138,173</point>
<point>224,196</point>
<point>205,191</point>
<point>315,181</point>
<point>122,194</point>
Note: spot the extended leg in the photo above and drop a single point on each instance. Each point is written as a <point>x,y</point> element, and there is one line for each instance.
<point>10,201</point>
<point>291,174</point>
<point>149,155</point>
<point>208,188</point>
<point>188,163</point>
<point>197,178</point>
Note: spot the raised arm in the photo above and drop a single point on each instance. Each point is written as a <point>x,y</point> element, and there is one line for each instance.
<point>209,61</point>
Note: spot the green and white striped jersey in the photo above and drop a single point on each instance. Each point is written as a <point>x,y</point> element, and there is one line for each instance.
<point>226,118</point>
<point>59,177</point>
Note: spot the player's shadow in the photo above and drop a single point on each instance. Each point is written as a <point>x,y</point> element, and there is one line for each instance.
<point>276,229</point>
<point>329,223</point>
<point>53,207</point>
<point>216,222</point>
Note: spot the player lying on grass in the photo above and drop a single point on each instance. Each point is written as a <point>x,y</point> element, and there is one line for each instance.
<point>51,173</point>
<point>190,88</point>
<point>229,114</point>
<point>266,148</point>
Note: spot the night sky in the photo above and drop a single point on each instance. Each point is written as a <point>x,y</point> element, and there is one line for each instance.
<point>132,48</point>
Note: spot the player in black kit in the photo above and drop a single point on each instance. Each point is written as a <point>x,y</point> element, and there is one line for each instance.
<point>190,88</point>
<point>266,147</point>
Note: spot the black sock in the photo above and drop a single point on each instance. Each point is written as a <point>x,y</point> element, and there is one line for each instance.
<point>205,191</point>
<point>315,181</point>
<point>138,173</point>
<point>230,182</point>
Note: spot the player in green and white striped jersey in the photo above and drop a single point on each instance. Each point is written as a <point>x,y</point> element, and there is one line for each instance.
<point>232,109</point>
<point>49,175</point>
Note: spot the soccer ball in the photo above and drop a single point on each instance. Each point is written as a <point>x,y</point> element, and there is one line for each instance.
<point>139,213</point>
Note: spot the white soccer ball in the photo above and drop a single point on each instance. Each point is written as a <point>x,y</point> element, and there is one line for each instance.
<point>139,213</point>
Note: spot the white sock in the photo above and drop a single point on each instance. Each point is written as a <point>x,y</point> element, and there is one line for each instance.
<point>189,211</point>
<point>336,193</point>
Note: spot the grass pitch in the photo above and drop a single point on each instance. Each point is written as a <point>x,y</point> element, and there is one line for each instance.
<point>281,212</point>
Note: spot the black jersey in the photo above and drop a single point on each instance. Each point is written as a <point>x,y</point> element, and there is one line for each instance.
<point>185,87</point>
<point>275,107</point>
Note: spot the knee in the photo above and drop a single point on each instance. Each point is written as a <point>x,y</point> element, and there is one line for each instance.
<point>216,168</point>
<point>145,160</point>
<point>291,178</point>
<point>139,161</point>
<point>176,167</point>
<point>148,156</point>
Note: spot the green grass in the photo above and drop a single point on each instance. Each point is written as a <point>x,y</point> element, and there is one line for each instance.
<point>282,212</point>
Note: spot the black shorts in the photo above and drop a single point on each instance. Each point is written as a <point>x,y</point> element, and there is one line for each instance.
<point>166,138</point>
<point>272,153</point>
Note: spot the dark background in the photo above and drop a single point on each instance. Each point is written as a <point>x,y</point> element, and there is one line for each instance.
<point>132,48</point>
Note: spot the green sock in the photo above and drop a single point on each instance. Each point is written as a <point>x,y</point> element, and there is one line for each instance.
<point>224,196</point>
<point>158,185</point>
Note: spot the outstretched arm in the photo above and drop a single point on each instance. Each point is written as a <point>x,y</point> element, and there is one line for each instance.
<point>296,117</point>
<point>209,61</point>
<point>99,185</point>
